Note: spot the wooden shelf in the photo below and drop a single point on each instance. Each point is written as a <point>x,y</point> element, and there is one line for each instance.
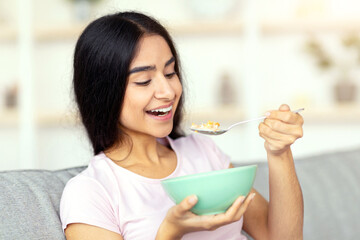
<point>10,118</point>
<point>341,114</point>
<point>227,114</point>
<point>45,34</point>
<point>267,26</point>
<point>8,33</point>
<point>56,119</point>
<point>201,28</point>
<point>281,26</point>
<point>270,26</point>
<point>286,26</point>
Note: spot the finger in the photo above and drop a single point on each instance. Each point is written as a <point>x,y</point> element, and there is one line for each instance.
<point>269,133</point>
<point>236,210</point>
<point>212,222</point>
<point>284,107</point>
<point>285,116</point>
<point>244,206</point>
<point>185,205</point>
<point>274,145</point>
<point>281,127</point>
<point>215,221</point>
<point>231,212</point>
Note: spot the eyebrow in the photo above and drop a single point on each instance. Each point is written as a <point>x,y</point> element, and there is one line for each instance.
<point>148,68</point>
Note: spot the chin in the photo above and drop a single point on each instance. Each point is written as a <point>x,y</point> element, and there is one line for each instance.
<point>163,133</point>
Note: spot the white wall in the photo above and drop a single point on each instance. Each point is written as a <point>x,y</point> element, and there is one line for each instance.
<point>284,74</point>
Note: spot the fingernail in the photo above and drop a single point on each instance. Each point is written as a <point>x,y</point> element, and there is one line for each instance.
<point>267,114</point>
<point>252,196</point>
<point>240,200</point>
<point>192,199</point>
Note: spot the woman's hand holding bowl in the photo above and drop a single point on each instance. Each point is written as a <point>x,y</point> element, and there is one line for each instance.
<point>180,220</point>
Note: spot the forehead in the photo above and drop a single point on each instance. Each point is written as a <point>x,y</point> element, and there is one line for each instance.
<point>151,49</point>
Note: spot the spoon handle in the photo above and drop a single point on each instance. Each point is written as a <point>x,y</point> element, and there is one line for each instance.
<point>298,110</point>
<point>259,118</point>
<point>246,121</point>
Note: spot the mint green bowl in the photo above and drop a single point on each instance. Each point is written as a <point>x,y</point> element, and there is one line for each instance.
<point>216,190</point>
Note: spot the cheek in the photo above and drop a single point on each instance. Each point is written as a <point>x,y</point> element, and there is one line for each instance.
<point>178,91</point>
<point>177,88</point>
<point>133,106</point>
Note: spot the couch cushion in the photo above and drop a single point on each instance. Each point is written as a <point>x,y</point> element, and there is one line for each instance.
<point>29,203</point>
<point>330,186</point>
<point>29,199</point>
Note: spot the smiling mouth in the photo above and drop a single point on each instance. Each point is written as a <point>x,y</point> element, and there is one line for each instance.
<point>160,112</point>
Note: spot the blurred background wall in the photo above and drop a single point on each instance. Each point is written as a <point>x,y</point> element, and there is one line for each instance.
<point>240,58</point>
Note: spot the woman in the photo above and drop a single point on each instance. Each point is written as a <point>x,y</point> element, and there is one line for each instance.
<point>128,88</point>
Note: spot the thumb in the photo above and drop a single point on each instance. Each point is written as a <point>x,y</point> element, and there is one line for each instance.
<point>186,204</point>
<point>284,107</point>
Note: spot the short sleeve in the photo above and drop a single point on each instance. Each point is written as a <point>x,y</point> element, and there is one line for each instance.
<point>84,200</point>
<point>218,158</point>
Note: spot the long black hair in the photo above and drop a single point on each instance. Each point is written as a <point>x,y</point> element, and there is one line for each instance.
<point>102,58</point>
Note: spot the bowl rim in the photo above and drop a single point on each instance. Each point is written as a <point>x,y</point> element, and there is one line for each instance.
<point>212,173</point>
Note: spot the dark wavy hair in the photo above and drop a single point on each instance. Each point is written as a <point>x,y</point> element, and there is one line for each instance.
<point>102,58</point>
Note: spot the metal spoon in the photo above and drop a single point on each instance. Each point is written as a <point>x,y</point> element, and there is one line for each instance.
<point>221,131</point>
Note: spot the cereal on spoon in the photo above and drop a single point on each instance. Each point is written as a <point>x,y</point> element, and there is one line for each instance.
<point>209,126</point>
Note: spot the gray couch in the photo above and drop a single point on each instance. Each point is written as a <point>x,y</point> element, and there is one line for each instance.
<point>29,199</point>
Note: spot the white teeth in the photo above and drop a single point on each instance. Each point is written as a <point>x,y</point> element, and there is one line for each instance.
<point>164,110</point>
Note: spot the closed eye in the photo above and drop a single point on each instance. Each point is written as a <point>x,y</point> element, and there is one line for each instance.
<point>170,75</point>
<point>145,83</point>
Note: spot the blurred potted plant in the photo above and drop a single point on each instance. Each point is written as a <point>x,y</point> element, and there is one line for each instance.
<point>83,8</point>
<point>11,96</point>
<point>345,89</point>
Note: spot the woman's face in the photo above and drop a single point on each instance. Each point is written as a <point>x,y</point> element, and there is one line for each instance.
<point>153,90</point>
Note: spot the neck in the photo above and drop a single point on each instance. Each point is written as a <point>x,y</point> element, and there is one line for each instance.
<point>137,148</point>
<point>144,155</point>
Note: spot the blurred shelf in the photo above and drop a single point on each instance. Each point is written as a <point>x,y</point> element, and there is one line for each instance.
<point>44,34</point>
<point>201,28</point>
<point>341,114</point>
<point>227,114</point>
<point>267,26</point>
<point>270,26</point>
<point>66,32</point>
<point>7,33</point>
<point>285,26</point>
<point>281,26</point>
<point>57,120</point>
<point>10,118</point>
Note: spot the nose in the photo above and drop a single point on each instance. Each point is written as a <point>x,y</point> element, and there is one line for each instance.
<point>164,89</point>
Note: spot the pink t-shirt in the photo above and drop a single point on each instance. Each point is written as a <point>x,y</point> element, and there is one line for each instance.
<point>114,198</point>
